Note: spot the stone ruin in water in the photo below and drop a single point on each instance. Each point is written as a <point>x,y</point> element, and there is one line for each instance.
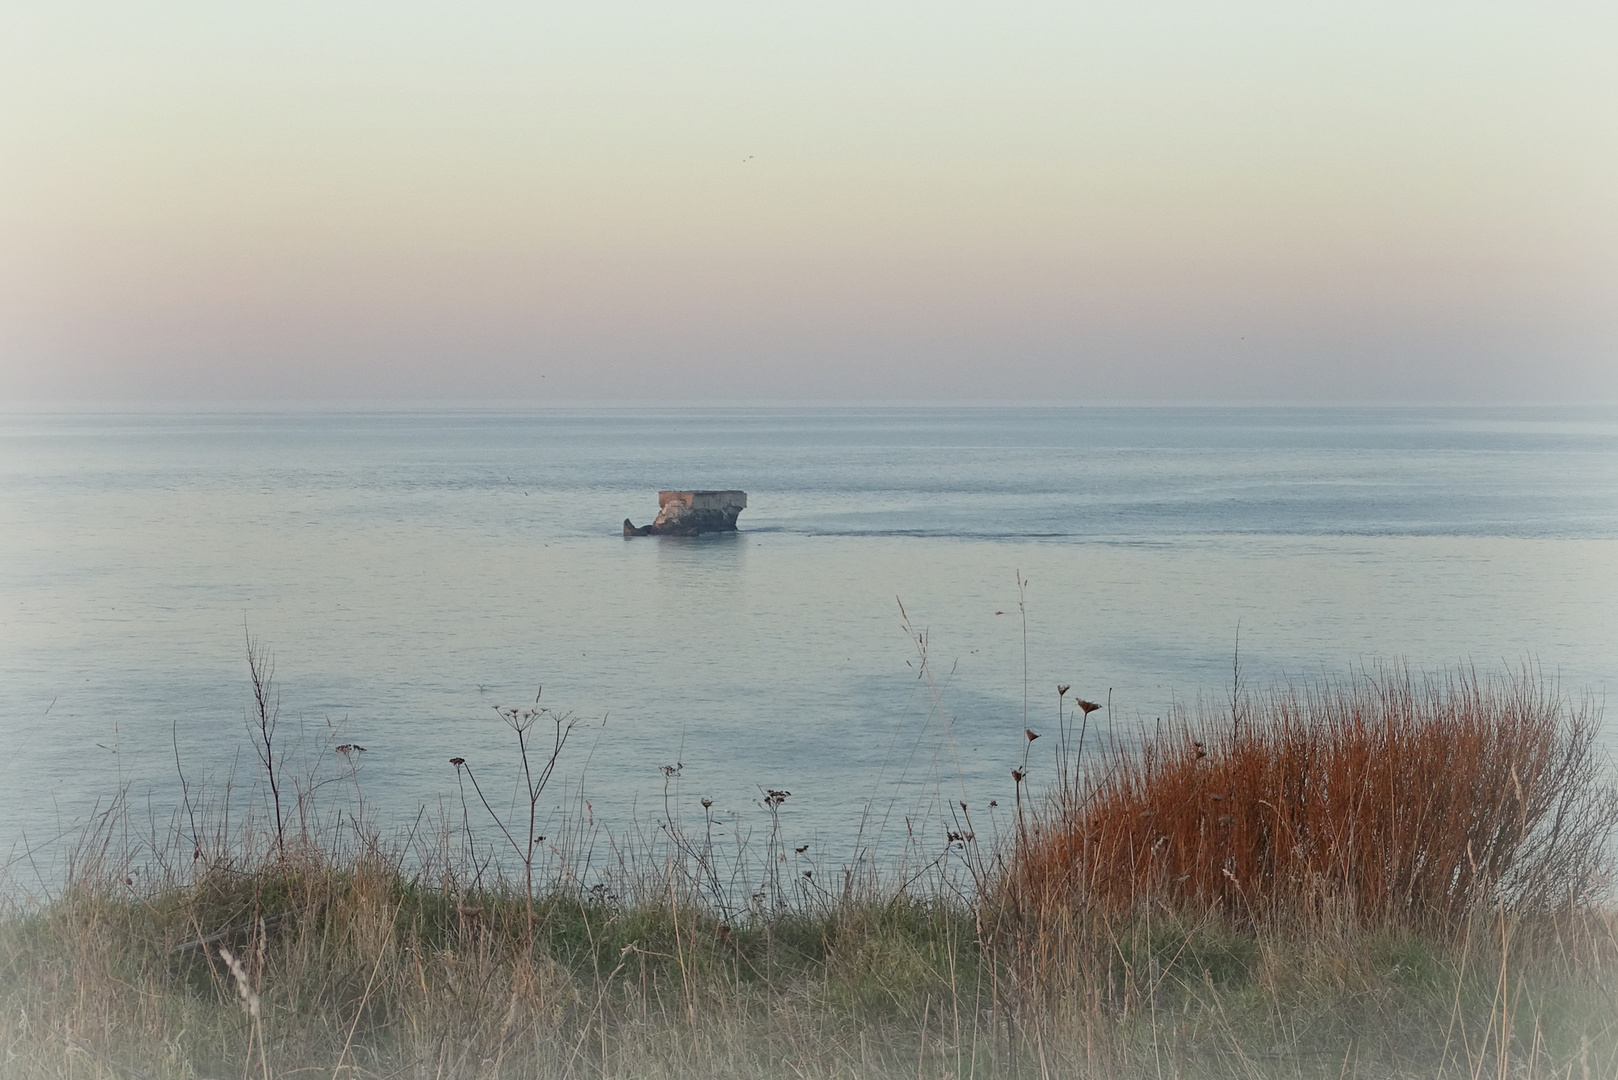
<point>687,513</point>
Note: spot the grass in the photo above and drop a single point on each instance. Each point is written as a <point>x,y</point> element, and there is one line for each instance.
<point>1405,804</point>
<point>1336,925</point>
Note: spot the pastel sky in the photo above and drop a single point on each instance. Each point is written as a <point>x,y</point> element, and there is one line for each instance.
<point>872,201</point>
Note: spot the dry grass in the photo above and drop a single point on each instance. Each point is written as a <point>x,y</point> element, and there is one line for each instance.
<point>1349,937</point>
<point>1403,804</point>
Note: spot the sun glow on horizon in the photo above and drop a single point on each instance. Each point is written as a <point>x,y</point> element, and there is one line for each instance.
<point>866,202</point>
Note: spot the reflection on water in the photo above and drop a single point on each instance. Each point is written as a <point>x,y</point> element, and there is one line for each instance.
<point>708,570</point>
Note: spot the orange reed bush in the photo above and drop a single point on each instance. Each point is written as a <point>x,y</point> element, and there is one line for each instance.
<point>1404,802</point>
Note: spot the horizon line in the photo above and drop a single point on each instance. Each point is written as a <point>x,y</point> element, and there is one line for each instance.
<point>418,405</point>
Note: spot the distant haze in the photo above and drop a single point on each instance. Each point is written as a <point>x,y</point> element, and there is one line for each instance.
<point>549,203</point>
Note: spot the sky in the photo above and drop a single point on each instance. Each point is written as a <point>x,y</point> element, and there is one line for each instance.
<point>548,203</point>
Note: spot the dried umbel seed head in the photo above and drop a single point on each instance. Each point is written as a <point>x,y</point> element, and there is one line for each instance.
<point>457,761</point>
<point>1017,775</point>
<point>1088,706</point>
<point>519,720</point>
<point>707,803</point>
<point>1061,691</point>
<point>1030,735</point>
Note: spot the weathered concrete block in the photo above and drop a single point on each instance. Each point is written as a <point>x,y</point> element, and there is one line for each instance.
<point>687,513</point>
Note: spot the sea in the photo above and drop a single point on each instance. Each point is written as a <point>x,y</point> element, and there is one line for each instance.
<point>907,590</point>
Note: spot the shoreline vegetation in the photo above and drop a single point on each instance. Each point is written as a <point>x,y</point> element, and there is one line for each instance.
<point>1385,875</point>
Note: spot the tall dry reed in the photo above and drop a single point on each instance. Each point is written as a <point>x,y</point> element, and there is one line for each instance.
<point>1404,801</point>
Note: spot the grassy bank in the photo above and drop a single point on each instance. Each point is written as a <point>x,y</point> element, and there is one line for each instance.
<point>1397,878</point>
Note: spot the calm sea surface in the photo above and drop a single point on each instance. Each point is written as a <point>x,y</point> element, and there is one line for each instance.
<point>411,571</point>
